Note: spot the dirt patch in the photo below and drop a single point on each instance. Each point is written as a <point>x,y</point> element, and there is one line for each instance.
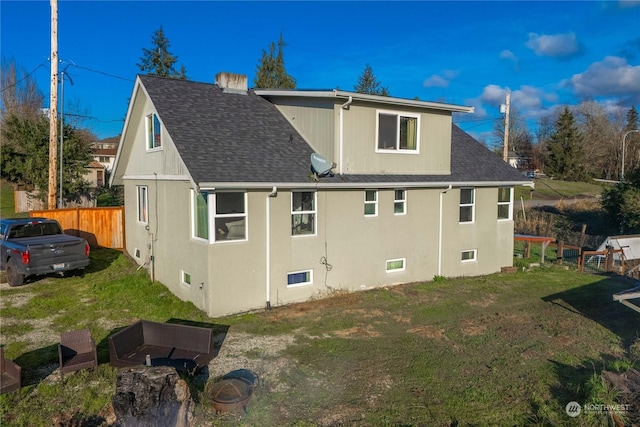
<point>357,332</point>
<point>485,302</point>
<point>40,334</point>
<point>472,328</point>
<point>15,300</point>
<point>428,331</point>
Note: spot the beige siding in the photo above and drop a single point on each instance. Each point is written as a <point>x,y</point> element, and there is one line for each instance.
<point>359,147</point>
<point>162,161</point>
<point>315,122</point>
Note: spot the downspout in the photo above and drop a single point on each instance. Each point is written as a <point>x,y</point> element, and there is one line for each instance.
<point>273,193</point>
<point>344,106</point>
<point>440,232</point>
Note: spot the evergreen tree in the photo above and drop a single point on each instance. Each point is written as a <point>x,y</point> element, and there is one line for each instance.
<point>25,155</point>
<point>367,83</point>
<point>271,72</point>
<point>158,61</point>
<point>565,157</point>
<point>632,157</point>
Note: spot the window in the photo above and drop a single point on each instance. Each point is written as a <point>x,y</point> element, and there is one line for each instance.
<point>200,210</point>
<point>398,132</point>
<point>298,278</point>
<point>504,203</point>
<point>470,255</point>
<point>154,135</point>
<point>394,265</point>
<point>230,216</point>
<point>143,203</point>
<point>467,203</point>
<point>400,202</point>
<point>186,279</point>
<point>303,213</point>
<point>370,202</point>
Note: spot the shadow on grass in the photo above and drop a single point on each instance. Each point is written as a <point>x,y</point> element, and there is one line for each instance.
<point>38,364</point>
<point>595,302</point>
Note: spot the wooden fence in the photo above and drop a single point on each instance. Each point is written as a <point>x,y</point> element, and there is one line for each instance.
<point>99,226</point>
<point>25,201</point>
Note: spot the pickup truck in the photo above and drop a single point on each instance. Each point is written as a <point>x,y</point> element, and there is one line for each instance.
<point>35,246</point>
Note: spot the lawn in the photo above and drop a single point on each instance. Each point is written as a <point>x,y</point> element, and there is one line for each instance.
<point>505,349</point>
<point>551,189</point>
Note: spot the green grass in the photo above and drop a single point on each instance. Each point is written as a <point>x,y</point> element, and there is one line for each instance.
<point>507,349</point>
<point>551,189</point>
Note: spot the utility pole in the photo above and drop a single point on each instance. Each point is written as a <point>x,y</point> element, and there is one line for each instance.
<point>505,153</point>
<point>53,107</point>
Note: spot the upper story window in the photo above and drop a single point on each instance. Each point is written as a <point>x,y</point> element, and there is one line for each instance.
<point>303,213</point>
<point>400,202</point>
<point>154,134</point>
<point>230,216</point>
<point>370,202</point>
<point>505,202</point>
<point>467,204</point>
<point>398,132</point>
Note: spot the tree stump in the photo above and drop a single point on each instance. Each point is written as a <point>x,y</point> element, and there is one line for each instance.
<point>151,397</point>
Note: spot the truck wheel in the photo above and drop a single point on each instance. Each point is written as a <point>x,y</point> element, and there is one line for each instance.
<point>14,278</point>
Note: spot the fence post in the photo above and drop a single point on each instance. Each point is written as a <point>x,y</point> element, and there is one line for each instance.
<point>560,253</point>
<point>608,264</point>
<point>527,249</point>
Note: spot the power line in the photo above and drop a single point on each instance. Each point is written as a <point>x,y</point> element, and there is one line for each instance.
<point>22,79</point>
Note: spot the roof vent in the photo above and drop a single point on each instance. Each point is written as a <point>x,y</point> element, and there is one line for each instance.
<point>232,83</point>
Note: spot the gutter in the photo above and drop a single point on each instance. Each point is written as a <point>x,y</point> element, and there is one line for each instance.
<point>440,230</point>
<point>211,186</point>
<point>343,107</point>
<point>274,193</point>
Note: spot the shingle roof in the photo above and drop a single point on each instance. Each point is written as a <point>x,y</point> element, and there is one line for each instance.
<point>230,137</point>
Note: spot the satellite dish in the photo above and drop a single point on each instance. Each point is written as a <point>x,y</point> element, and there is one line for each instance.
<point>320,166</point>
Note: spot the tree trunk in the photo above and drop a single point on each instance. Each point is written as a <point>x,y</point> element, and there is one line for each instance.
<point>151,397</point>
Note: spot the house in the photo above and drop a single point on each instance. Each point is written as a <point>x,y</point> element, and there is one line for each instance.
<point>223,208</point>
<point>104,151</point>
<point>95,174</point>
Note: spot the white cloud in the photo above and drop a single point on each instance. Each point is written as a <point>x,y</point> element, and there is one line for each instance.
<point>510,56</point>
<point>442,80</point>
<point>436,81</point>
<point>611,77</point>
<point>530,101</point>
<point>555,46</point>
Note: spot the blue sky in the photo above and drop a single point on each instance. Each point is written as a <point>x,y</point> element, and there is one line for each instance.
<point>468,53</point>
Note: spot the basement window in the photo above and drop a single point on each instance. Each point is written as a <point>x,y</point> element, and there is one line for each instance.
<point>394,265</point>
<point>469,255</point>
<point>186,279</point>
<point>300,278</point>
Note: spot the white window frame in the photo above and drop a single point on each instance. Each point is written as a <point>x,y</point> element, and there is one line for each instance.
<point>508,203</point>
<point>395,270</point>
<point>397,149</point>
<point>185,278</point>
<point>373,203</point>
<point>244,215</point>
<point>403,201</point>
<point>471,205</point>
<point>142,202</point>
<point>473,252</point>
<point>193,216</point>
<point>151,121</point>
<point>295,285</point>
<point>313,212</point>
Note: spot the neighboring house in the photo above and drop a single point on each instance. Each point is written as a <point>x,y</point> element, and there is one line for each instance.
<point>95,174</point>
<point>105,152</point>
<point>221,205</point>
